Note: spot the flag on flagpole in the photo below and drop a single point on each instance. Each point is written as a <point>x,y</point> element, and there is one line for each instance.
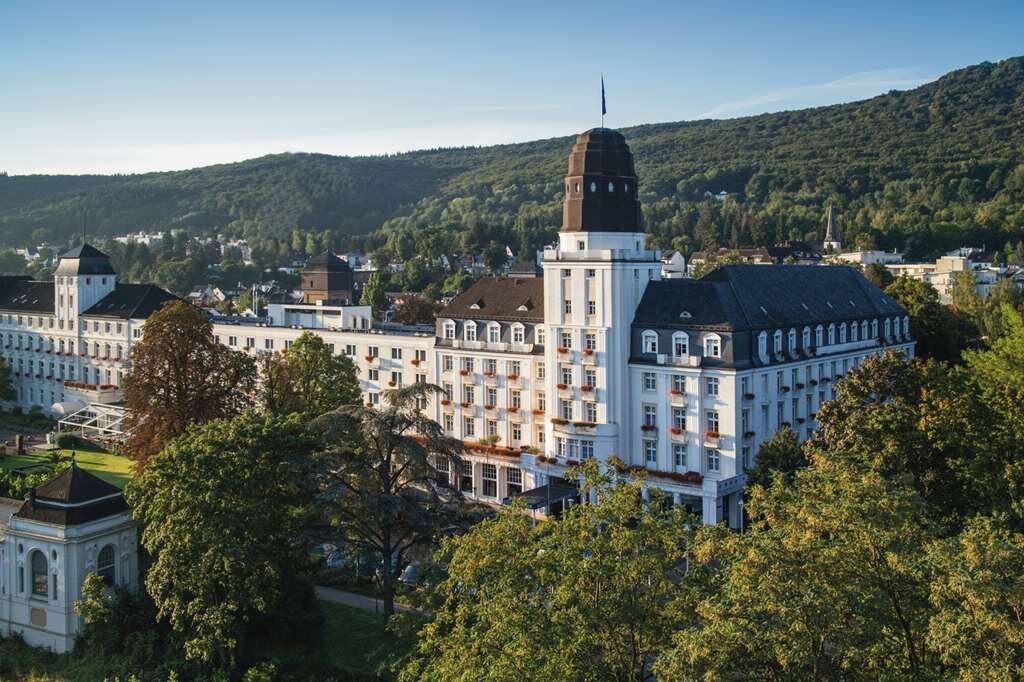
<point>604,108</point>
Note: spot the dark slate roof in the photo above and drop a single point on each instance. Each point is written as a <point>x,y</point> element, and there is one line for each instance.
<point>73,497</point>
<point>23,295</point>
<point>327,261</point>
<point>84,260</point>
<point>130,302</point>
<point>506,298</point>
<point>747,297</point>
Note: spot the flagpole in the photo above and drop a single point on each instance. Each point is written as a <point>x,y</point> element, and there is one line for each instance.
<point>603,108</point>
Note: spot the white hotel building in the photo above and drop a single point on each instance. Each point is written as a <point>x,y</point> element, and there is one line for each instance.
<point>600,357</point>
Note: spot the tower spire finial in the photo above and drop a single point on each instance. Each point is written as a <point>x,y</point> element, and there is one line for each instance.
<point>604,107</point>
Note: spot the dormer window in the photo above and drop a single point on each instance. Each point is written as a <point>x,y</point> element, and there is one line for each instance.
<point>842,333</point>
<point>712,346</point>
<point>650,342</point>
<point>831,335</point>
<point>470,331</point>
<point>792,340</point>
<point>518,333</point>
<point>493,333</point>
<point>611,186</point>
<point>777,341</point>
<point>680,345</point>
<point>762,344</point>
<point>806,338</point>
<point>593,187</point>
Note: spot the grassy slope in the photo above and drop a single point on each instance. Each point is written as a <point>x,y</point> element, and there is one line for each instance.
<point>111,468</point>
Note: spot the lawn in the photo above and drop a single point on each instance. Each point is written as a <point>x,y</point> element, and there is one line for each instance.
<point>111,468</point>
<point>355,640</point>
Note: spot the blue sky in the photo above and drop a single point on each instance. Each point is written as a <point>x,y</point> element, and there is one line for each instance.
<point>138,86</point>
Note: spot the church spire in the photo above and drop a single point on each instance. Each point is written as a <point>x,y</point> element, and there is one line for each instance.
<point>831,234</point>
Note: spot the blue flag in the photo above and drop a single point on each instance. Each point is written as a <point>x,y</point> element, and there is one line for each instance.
<point>604,108</point>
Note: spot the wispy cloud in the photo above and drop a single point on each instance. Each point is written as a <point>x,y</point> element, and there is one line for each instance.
<point>503,108</point>
<point>848,88</point>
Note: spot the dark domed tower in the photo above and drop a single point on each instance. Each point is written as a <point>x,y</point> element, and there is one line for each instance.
<point>600,188</point>
<point>593,280</point>
<point>327,278</point>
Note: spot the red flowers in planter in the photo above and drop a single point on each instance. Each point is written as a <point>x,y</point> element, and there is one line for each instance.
<point>465,404</point>
<point>675,431</point>
<point>588,351</point>
<point>513,377</point>
<point>370,358</point>
<point>559,421</point>
<point>711,434</point>
<point>586,388</point>
<point>561,387</point>
<point>675,392</point>
<point>537,412</point>
<point>563,350</point>
<point>488,374</point>
<point>513,409</point>
<point>464,372</point>
<point>648,427</point>
<point>415,362</point>
<point>445,401</point>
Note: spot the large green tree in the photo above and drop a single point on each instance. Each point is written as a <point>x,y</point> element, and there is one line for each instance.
<point>379,488</point>
<point>1003,364</point>
<point>373,294</point>
<point>828,583</point>
<point>939,331</point>
<point>583,597</point>
<point>180,376</point>
<point>309,379</point>
<point>7,391</point>
<point>223,509</point>
<point>781,454</point>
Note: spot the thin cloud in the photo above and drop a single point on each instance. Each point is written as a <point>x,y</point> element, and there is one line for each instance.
<point>845,89</point>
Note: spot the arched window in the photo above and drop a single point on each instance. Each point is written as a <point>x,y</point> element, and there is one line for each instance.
<point>864,330</point>
<point>611,186</point>
<point>650,341</point>
<point>806,338</point>
<point>39,581</point>
<point>712,346</point>
<point>593,187</point>
<point>449,329</point>
<point>842,333</point>
<point>906,326</point>
<point>518,333</point>
<point>896,326</point>
<point>831,335</point>
<point>777,341</point>
<point>470,331</point>
<point>874,329</point>
<point>493,333</point>
<point>762,344</point>
<point>792,340</point>
<point>888,328</point>
<point>105,565</point>
<point>680,345</point>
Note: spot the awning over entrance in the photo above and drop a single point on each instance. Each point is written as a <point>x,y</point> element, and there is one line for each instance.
<point>555,493</point>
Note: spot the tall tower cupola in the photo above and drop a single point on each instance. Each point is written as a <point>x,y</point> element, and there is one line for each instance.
<point>83,276</point>
<point>601,185</point>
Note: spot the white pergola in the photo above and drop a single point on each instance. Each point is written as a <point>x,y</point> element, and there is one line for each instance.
<point>97,422</point>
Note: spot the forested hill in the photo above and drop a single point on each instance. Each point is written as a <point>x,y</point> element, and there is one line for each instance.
<point>922,169</point>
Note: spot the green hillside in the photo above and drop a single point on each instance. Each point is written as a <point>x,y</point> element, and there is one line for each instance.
<point>923,170</point>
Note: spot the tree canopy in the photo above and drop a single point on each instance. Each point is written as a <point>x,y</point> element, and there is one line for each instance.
<point>308,378</point>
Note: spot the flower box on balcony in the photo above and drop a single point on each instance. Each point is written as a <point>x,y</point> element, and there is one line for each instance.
<point>513,377</point>
<point>559,421</point>
<point>489,375</point>
<point>571,462</point>
<point>488,407</point>
<point>800,420</point>
<point>446,402</point>
<point>813,382</point>
<point>561,387</point>
<point>464,404</point>
<point>464,372</point>
<point>584,425</point>
<point>825,380</point>
<point>648,427</point>
<point>588,351</point>
<point>785,424</point>
<point>748,434</point>
<point>537,413</point>
<point>562,350</point>
<point>513,410</point>
<point>369,405</point>
<point>415,362</point>
<point>586,388</point>
<point>799,387</point>
<point>748,396</point>
<point>711,434</point>
<point>784,389</point>
<point>675,392</point>
<point>675,431</point>
<point>391,384</point>
<point>369,358</point>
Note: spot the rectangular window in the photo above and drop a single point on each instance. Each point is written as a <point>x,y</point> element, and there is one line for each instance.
<point>468,427</point>
<point>373,351</point>
<point>467,395</point>
<point>679,384</point>
<point>466,477</point>
<point>490,366</point>
<point>515,399</point>
<point>745,420</point>
<point>396,380</point>
<point>542,403</point>
<point>446,363</point>
<point>679,418</point>
<point>586,449</point>
<point>714,460</point>
<point>489,479</point>
<point>515,480</point>
<point>566,339</point>
<point>567,306</point>
<point>590,412</point>
<point>514,369</point>
<point>679,455</point>
<point>566,375</point>
<point>449,423</point>
<point>590,377</point>
<point>492,397</point>
<point>651,451</point>
<point>491,427</point>
<point>650,415</point>
<point>517,432</point>
<point>541,371</point>
<point>711,420</point>
<point>590,341</point>
<point>396,353</point>
<point>350,349</point>
<point>518,334</point>
<point>591,307</point>
<point>711,383</point>
<point>565,409</point>
<point>747,463</point>
<point>650,381</point>
<point>374,375</point>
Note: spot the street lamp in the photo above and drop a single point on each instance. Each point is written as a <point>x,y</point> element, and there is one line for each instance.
<point>741,515</point>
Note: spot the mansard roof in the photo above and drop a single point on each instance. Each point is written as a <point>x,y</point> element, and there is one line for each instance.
<point>750,297</point>
<point>73,497</point>
<point>326,261</point>
<point>24,295</point>
<point>129,302</point>
<point>519,299</point>
<point>84,260</point>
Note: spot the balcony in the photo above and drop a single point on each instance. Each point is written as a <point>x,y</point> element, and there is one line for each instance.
<point>712,439</point>
<point>649,428</point>
<point>677,398</point>
<point>677,433</point>
<point>589,357</point>
<point>91,393</point>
